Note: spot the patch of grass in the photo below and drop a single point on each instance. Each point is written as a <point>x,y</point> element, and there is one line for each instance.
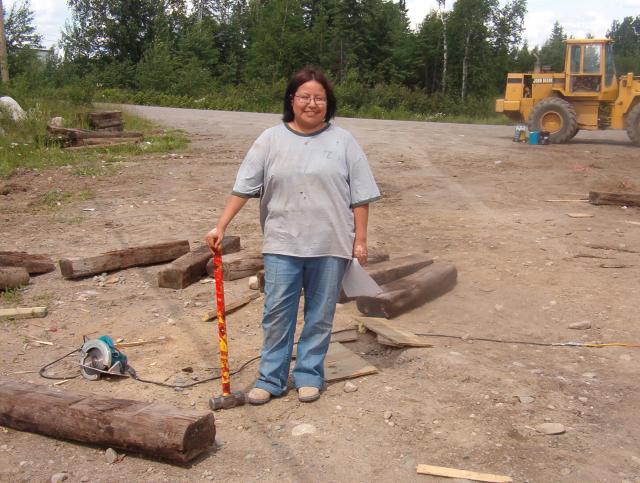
<point>56,197</point>
<point>93,169</point>
<point>11,297</point>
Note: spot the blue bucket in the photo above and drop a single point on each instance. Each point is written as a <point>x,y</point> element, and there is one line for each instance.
<point>534,137</point>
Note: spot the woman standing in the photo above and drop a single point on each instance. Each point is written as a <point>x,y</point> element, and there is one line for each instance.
<point>315,186</point>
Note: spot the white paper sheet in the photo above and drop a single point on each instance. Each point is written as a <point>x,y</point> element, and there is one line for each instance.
<point>357,282</point>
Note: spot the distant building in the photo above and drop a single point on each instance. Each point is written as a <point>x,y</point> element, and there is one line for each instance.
<point>43,54</point>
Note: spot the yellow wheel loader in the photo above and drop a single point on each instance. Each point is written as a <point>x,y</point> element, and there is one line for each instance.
<point>587,95</point>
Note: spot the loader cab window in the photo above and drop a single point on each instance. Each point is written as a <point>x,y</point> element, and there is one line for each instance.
<point>586,68</point>
<point>576,52</point>
<point>609,65</point>
<point>591,59</point>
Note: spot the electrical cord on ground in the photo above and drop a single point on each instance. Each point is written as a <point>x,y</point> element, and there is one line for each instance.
<point>522,342</point>
<point>134,376</point>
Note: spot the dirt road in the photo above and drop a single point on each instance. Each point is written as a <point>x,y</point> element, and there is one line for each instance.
<point>465,194</point>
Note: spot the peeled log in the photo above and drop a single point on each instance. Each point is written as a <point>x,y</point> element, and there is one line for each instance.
<point>190,267</point>
<point>120,259</point>
<point>13,277</point>
<point>157,430</point>
<point>410,292</point>
<point>391,270</point>
<point>238,265</point>
<point>34,264</point>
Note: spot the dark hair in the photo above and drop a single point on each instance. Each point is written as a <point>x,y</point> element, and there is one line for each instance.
<point>302,76</point>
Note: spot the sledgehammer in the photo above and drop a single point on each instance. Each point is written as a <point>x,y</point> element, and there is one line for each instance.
<point>228,399</point>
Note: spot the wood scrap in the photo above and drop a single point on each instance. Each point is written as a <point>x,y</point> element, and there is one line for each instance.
<point>579,215</point>
<point>395,335</point>
<point>106,120</point>
<point>13,277</point>
<point>580,200</point>
<point>390,270</point>
<point>231,307</point>
<point>618,199</point>
<point>588,255</point>
<point>341,363</point>
<point>139,342</point>
<point>461,474</point>
<point>191,267</point>
<point>238,265</point>
<point>23,313</point>
<point>597,246</point>
<point>410,292</point>
<point>154,429</point>
<point>121,259</point>
<point>35,264</point>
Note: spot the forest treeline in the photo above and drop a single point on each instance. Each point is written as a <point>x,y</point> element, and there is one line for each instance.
<point>237,54</point>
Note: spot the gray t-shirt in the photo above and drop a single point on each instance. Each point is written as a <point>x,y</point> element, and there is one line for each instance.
<point>307,185</point>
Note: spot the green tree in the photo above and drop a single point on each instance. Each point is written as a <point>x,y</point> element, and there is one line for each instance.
<point>22,37</point>
<point>626,46</point>
<point>552,51</point>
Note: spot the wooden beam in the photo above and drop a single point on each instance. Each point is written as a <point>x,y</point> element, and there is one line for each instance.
<point>34,264</point>
<point>231,307</point>
<point>396,336</point>
<point>154,429</point>
<point>23,313</point>
<point>72,133</point>
<point>410,292</point>
<point>238,265</point>
<point>191,267</point>
<point>13,277</point>
<point>619,199</point>
<point>461,474</point>
<point>120,259</point>
<point>388,271</point>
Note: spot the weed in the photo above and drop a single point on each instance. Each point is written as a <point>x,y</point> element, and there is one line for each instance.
<point>11,297</point>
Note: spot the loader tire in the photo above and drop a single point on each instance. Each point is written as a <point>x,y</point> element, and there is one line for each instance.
<point>632,125</point>
<point>556,116</point>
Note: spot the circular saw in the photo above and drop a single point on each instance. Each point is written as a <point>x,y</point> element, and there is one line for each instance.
<point>100,357</point>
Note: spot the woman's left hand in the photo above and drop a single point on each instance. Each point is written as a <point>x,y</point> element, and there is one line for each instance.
<point>360,252</point>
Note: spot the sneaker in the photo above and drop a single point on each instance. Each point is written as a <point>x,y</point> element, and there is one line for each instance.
<point>308,394</point>
<point>258,396</point>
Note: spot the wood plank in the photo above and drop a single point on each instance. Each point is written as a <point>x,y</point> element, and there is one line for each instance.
<point>192,266</point>
<point>121,259</point>
<point>341,363</point>
<point>618,199</point>
<point>238,265</point>
<point>231,307</point>
<point>345,335</point>
<point>463,474</point>
<point>35,264</point>
<point>74,134</point>
<point>410,292</point>
<point>23,313</point>
<point>154,429</point>
<point>395,335</point>
<point>13,277</point>
<point>388,271</point>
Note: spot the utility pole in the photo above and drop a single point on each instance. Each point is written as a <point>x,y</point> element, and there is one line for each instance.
<point>4,65</point>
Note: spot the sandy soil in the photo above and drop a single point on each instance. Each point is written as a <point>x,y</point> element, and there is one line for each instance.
<point>465,194</point>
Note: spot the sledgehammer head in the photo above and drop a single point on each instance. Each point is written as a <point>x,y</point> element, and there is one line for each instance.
<point>228,402</point>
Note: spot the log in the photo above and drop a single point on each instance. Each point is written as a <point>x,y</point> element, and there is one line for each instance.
<point>102,142</point>
<point>238,265</point>
<point>23,313</point>
<point>13,277</point>
<point>73,133</point>
<point>410,292</point>
<point>260,276</point>
<point>391,270</point>
<point>191,267</point>
<point>106,120</point>
<point>120,259</point>
<point>619,199</point>
<point>34,264</point>
<point>154,429</point>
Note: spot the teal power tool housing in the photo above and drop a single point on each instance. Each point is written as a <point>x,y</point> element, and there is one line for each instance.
<point>100,357</point>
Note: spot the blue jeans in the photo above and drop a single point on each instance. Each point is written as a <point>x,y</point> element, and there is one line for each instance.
<point>285,277</point>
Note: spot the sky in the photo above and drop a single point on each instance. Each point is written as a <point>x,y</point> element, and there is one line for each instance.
<point>578,17</point>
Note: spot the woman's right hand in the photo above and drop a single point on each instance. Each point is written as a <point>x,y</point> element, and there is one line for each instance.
<point>214,238</point>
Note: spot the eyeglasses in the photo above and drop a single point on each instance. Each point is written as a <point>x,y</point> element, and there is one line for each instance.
<point>320,101</point>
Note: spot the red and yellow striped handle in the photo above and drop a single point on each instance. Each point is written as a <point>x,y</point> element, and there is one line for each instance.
<point>222,323</point>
